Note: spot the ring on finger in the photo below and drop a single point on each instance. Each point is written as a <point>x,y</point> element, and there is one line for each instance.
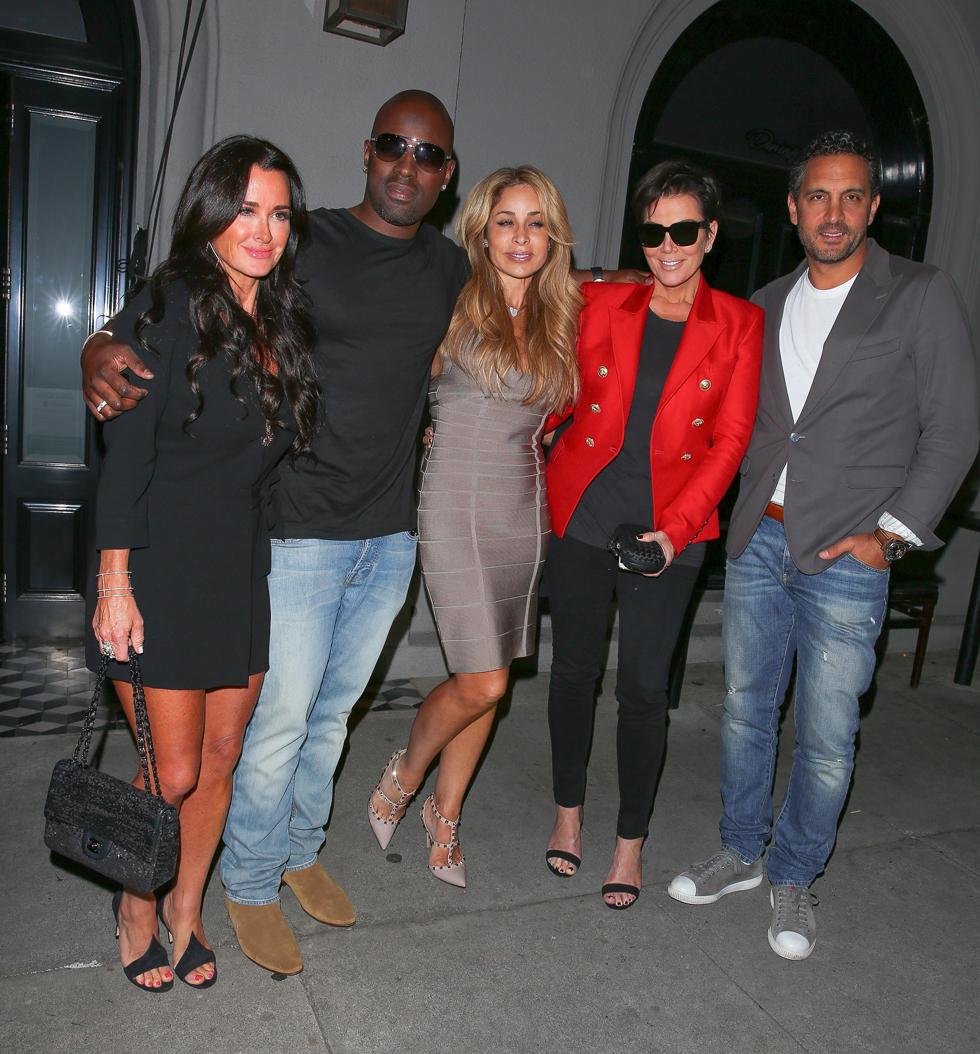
<point>107,648</point>
<point>101,406</point>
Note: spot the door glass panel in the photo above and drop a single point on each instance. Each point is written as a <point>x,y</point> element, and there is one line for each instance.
<point>52,18</point>
<point>57,285</point>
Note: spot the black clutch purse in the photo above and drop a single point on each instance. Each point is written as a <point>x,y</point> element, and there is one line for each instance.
<point>122,832</point>
<point>643,557</point>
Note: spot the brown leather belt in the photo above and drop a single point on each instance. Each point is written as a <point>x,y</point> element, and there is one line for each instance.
<point>774,511</point>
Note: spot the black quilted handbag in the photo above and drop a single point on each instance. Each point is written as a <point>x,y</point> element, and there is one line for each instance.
<point>127,834</point>
<point>634,555</point>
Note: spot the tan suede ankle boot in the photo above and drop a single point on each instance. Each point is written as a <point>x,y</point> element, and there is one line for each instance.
<point>320,896</point>
<point>265,937</point>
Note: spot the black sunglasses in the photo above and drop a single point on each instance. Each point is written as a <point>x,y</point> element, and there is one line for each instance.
<point>683,232</point>
<point>389,147</point>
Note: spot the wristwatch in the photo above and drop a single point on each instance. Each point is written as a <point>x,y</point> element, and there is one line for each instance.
<point>892,549</point>
<point>597,274</point>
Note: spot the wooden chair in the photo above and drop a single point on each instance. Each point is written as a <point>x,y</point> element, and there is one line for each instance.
<point>911,604</point>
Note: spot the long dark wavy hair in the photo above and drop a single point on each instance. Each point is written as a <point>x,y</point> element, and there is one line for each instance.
<point>281,330</point>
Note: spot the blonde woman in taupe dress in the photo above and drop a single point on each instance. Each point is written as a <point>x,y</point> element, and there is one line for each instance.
<point>506,362</point>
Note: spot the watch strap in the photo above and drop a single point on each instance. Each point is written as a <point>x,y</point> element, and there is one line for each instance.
<point>892,549</point>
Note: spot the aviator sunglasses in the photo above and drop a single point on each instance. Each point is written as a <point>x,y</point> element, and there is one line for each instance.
<point>389,147</point>
<point>683,232</point>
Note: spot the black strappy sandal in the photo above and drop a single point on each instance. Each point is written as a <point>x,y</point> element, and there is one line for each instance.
<point>154,958</point>
<point>560,854</point>
<point>195,956</point>
<point>620,887</point>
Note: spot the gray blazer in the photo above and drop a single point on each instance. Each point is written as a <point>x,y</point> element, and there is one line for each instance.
<point>891,421</point>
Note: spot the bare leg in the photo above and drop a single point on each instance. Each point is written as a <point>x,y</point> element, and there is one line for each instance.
<point>457,763</point>
<point>625,868</point>
<point>448,709</point>
<point>202,815</point>
<point>197,739</point>
<point>447,714</point>
<point>177,722</point>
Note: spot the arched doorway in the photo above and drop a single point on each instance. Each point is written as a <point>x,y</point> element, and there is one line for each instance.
<point>746,85</point>
<point>69,79</point>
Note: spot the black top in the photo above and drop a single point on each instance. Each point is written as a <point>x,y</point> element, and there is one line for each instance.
<point>623,490</point>
<point>187,503</point>
<point>381,306</point>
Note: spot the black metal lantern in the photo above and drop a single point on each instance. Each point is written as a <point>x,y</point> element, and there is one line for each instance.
<point>376,21</point>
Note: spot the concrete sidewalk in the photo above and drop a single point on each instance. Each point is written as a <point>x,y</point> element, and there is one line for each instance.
<point>521,961</point>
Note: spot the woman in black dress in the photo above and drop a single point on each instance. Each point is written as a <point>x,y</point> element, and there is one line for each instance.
<point>182,555</point>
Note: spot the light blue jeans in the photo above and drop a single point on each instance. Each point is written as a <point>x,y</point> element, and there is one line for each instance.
<point>333,603</point>
<point>830,621</point>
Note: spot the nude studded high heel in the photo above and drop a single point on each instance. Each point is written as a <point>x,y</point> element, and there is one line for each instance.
<point>454,874</point>
<point>384,828</point>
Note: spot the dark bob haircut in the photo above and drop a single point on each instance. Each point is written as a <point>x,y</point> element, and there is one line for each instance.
<point>676,177</point>
<point>836,141</point>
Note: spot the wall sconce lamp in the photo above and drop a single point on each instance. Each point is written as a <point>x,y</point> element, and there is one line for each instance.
<point>376,21</point>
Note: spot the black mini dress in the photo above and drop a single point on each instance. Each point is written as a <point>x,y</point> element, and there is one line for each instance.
<point>187,500</point>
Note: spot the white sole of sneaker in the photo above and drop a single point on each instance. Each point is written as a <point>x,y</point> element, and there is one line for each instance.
<point>735,887</point>
<point>792,956</point>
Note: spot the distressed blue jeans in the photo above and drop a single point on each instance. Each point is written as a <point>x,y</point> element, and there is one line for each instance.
<point>333,603</point>
<point>830,622</point>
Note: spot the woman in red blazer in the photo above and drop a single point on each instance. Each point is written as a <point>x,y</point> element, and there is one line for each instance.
<point>670,379</point>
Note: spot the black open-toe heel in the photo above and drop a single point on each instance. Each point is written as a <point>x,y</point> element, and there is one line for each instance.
<point>560,854</point>
<point>154,958</point>
<point>195,955</point>
<point>620,887</point>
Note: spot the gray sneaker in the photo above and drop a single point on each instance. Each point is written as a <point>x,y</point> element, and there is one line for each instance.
<point>725,872</point>
<point>793,932</point>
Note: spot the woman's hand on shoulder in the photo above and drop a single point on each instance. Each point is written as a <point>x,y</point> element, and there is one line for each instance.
<point>117,621</point>
<point>665,544</point>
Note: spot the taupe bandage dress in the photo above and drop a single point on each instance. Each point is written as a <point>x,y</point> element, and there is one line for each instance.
<point>483,519</point>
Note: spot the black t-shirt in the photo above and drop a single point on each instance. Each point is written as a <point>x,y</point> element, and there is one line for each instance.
<point>621,493</point>
<point>381,306</point>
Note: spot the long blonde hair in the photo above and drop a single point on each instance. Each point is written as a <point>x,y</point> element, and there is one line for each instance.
<point>480,338</point>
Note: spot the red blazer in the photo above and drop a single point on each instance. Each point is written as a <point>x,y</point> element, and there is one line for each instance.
<point>703,421</point>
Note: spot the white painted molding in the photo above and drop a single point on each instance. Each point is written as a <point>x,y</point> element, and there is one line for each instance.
<point>945,62</point>
<point>662,26</point>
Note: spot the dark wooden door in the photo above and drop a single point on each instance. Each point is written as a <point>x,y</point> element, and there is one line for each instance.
<point>60,167</point>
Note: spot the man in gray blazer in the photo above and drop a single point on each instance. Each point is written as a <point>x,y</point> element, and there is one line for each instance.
<point>867,424</point>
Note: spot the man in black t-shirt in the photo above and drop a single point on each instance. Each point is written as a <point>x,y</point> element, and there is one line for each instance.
<point>382,289</point>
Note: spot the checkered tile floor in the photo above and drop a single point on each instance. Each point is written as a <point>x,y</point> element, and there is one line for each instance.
<point>46,689</point>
